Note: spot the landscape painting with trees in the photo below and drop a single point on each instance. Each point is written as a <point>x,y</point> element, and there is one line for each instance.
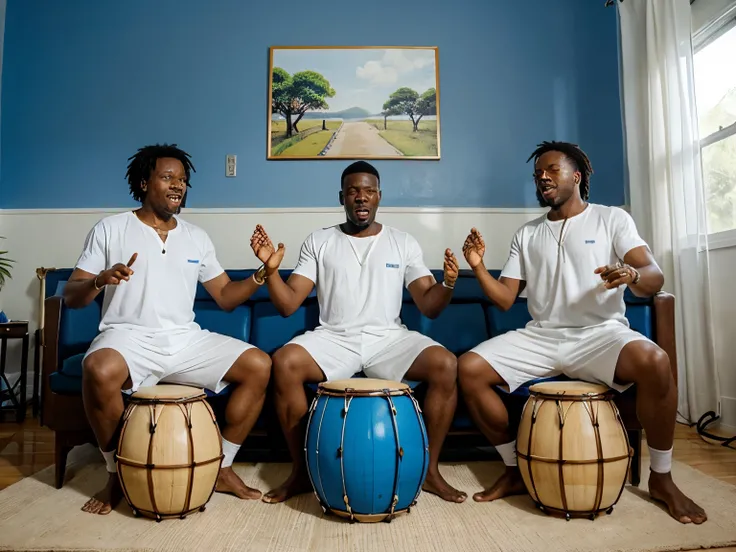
<point>353,102</point>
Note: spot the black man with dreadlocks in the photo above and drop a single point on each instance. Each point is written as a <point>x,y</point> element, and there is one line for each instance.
<point>147,329</point>
<point>575,263</point>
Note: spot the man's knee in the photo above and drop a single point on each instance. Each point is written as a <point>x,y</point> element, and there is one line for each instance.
<point>443,368</point>
<point>655,364</point>
<point>291,364</point>
<point>472,371</point>
<point>105,370</point>
<point>253,367</point>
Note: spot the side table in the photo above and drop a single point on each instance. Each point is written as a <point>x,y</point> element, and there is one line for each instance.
<point>17,398</point>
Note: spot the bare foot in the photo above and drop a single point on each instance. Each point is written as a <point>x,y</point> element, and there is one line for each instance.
<point>229,482</point>
<point>105,501</point>
<point>510,483</point>
<point>297,483</point>
<point>436,484</point>
<point>684,510</point>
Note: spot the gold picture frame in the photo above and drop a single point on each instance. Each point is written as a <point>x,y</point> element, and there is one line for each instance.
<point>353,102</point>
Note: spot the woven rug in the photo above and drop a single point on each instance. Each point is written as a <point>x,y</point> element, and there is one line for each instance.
<point>36,516</point>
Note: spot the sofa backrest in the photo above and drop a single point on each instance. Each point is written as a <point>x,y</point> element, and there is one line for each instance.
<point>467,321</point>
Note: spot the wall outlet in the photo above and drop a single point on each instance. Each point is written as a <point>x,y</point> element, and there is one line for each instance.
<point>230,165</point>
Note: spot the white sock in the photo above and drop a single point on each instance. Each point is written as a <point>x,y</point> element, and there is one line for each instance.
<point>109,460</point>
<point>508,453</point>
<point>660,461</point>
<point>229,450</point>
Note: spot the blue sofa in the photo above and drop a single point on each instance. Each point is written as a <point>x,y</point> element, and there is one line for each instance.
<point>468,320</point>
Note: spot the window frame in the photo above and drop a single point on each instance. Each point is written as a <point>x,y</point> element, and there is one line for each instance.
<point>701,39</point>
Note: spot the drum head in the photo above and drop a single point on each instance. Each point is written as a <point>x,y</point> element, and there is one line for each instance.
<point>167,392</point>
<point>363,386</point>
<point>568,388</point>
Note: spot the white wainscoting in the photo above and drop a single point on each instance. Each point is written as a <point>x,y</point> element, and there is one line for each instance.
<point>54,238</point>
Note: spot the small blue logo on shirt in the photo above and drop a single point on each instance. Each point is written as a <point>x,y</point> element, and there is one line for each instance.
<point>589,241</point>
<point>391,265</point>
<point>193,261</point>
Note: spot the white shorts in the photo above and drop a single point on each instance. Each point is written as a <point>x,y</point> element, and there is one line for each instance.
<point>197,357</point>
<point>587,354</point>
<point>384,355</point>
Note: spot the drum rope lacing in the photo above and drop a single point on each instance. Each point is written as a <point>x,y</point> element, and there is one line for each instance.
<point>587,400</point>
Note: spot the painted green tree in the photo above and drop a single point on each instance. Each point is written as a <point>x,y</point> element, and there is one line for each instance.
<point>294,95</point>
<point>406,101</point>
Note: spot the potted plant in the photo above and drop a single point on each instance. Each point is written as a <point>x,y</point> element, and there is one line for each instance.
<point>5,266</point>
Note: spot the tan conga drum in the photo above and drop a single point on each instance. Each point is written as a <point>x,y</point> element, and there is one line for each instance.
<point>169,452</point>
<point>572,448</point>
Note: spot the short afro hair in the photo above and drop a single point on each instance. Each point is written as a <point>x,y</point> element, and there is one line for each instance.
<point>359,167</point>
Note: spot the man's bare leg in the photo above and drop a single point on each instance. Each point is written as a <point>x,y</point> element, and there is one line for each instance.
<point>104,374</point>
<point>438,368</point>
<point>249,377</point>
<point>477,379</point>
<point>293,366</point>
<point>648,366</point>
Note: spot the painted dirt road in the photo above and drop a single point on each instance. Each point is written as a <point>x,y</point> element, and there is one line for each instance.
<point>360,138</point>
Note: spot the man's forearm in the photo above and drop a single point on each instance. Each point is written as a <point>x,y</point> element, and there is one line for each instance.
<point>497,293</point>
<point>650,282</point>
<point>282,296</point>
<point>80,293</point>
<point>237,293</point>
<point>435,300</point>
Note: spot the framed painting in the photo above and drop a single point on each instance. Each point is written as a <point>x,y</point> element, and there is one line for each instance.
<point>362,102</point>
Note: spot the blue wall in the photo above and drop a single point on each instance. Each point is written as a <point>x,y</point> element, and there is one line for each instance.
<point>85,83</point>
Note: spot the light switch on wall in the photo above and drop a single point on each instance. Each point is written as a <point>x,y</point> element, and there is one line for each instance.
<point>230,165</point>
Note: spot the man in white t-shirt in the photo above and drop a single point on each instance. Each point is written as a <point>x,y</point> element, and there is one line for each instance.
<point>574,262</point>
<point>147,330</point>
<point>360,268</point>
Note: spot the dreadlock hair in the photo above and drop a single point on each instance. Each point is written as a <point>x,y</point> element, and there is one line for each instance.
<point>142,163</point>
<point>574,154</point>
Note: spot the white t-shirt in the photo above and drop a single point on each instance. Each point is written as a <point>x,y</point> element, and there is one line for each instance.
<point>562,289</point>
<point>360,281</point>
<point>159,297</point>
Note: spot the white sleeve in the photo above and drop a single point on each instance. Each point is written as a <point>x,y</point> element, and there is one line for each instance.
<point>625,236</point>
<point>94,254</point>
<point>307,264</point>
<point>209,267</point>
<point>415,267</point>
<point>514,267</point>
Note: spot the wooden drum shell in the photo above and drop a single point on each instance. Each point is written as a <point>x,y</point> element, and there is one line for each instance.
<point>169,452</point>
<point>572,447</point>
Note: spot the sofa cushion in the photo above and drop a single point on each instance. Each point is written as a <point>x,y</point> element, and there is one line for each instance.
<point>77,329</point>
<point>460,327</point>
<point>72,366</point>
<point>65,385</point>
<point>234,324</point>
<point>640,318</point>
<point>271,331</point>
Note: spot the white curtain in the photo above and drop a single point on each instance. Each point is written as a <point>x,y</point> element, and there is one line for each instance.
<point>665,180</point>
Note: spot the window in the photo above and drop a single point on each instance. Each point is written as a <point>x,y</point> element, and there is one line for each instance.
<point>715,93</point>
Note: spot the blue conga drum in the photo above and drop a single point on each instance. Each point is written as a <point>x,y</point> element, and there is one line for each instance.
<point>366,448</point>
